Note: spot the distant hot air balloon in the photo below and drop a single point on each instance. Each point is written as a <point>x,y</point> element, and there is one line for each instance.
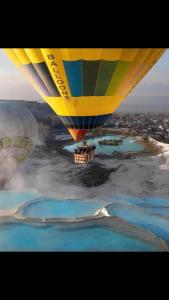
<point>84,86</point>
<point>18,135</point>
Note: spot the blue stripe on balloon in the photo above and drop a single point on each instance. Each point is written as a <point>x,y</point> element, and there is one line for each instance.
<point>74,75</point>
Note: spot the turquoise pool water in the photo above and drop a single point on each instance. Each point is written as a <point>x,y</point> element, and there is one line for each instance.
<point>21,237</point>
<point>157,211</point>
<point>50,208</point>
<point>11,200</point>
<point>143,218</point>
<point>155,201</point>
<point>151,214</point>
<point>129,144</point>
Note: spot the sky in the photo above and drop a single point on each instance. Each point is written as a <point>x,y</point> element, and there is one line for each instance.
<point>151,92</point>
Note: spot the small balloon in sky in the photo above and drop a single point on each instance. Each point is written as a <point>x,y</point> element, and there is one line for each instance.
<point>18,136</point>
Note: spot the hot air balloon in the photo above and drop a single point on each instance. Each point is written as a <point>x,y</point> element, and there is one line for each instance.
<point>18,135</point>
<point>84,86</point>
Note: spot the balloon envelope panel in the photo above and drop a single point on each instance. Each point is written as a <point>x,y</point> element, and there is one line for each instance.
<point>84,86</point>
<point>18,135</point>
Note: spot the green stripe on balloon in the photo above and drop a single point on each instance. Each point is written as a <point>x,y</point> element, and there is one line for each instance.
<point>119,73</point>
<point>90,72</point>
<point>106,71</point>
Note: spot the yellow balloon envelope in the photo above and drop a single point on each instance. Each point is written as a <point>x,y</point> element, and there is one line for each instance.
<point>84,86</point>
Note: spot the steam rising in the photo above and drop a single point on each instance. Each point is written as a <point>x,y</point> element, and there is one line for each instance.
<point>53,176</point>
<point>51,173</point>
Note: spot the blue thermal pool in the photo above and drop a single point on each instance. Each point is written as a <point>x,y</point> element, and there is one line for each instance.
<point>23,237</point>
<point>150,214</point>
<point>11,200</point>
<point>49,208</point>
<point>128,145</point>
<point>143,217</point>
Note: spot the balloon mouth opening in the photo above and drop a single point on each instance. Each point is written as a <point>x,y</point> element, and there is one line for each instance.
<point>77,134</point>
